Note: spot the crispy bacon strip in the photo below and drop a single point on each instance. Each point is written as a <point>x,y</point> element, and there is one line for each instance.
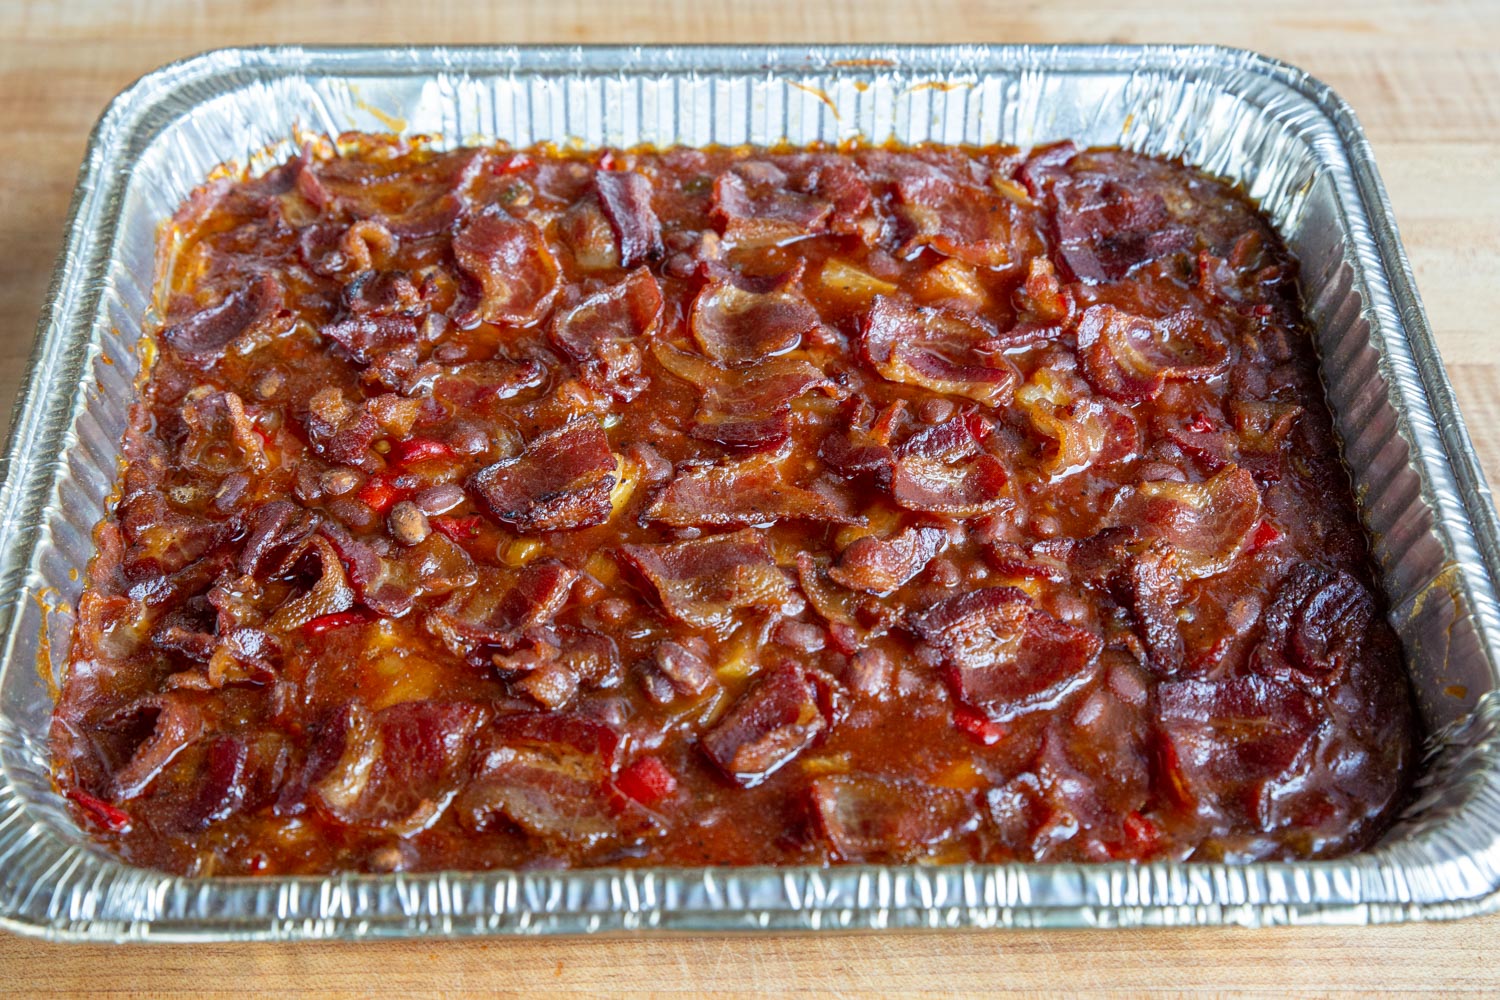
<point>704,582</point>
<point>562,480</point>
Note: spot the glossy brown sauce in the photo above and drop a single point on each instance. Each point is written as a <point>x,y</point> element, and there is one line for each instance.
<point>495,509</point>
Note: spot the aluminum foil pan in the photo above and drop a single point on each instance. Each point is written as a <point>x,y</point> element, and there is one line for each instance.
<point>1292,143</point>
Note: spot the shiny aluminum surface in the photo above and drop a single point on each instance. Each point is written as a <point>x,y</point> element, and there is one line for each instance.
<point>1292,143</point>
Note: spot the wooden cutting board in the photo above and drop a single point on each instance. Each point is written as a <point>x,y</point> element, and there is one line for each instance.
<point>1425,80</point>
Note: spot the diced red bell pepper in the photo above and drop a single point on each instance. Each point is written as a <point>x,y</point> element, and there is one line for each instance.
<point>379,493</point>
<point>338,619</point>
<point>457,528</point>
<point>646,780</point>
<point>1266,534</point>
<point>977,727</point>
<point>513,164</point>
<point>1140,840</point>
<point>420,449</point>
<point>101,813</point>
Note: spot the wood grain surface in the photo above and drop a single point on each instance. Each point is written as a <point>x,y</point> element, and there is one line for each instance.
<point>1425,80</point>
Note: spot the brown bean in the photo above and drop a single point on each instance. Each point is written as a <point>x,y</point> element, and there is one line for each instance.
<point>407,523</point>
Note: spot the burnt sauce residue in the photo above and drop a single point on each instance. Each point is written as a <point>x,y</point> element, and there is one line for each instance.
<point>527,509</point>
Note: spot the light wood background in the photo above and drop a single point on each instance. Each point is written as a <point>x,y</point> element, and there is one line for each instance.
<point>1425,80</point>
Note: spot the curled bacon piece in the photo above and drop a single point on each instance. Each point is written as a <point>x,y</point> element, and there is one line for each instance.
<point>1088,431</point>
<point>936,350</point>
<point>562,480</point>
<point>381,311</point>
<point>275,527</point>
<point>749,491</point>
<point>485,617</point>
<point>1315,627</point>
<point>955,215</point>
<point>1129,357</point>
<point>737,320</point>
<point>397,769</point>
<point>748,407</point>
<point>703,582</point>
<point>509,261</point>
<point>758,208</point>
<point>604,331</point>
<point>1110,210</point>
<point>1009,657</point>
<point>854,618</point>
<point>770,724</point>
<point>339,430</point>
<point>546,774</point>
<point>1236,740</point>
<point>1154,591</point>
<point>177,720</point>
<point>765,203</point>
<point>214,419</point>
<point>1206,523</point>
<point>880,565</point>
<point>205,334</point>
<point>331,593</point>
<point>946,470</point>
<point>887,819</point>
<point>625,197</point>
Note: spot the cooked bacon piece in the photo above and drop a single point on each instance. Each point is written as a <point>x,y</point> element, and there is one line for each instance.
<point>1111,214</point>
<point>758,209</point>
<point>677,670</point>
<point>625,197</point>
<point>936,350</point>
<point>752,407</point>
<point>770,724</point>
<point>705,581</point>
<point>470,386</point>
<point>1264,428</point>
<point>546,774</point>
<point>761,204</point>
<point>204,335</point>
<point>1129,357</point>
<point>887,819</point>
<point>376,579</point>
<point>1315,627</point>
<point>737,320</point>
<point>739,493</point>
<point>1088,431</point>
<point>1207,523</point>
<point>221,437</point>
<point>486,617</point>
<point>275,527</point>
<point>1236,740</point>
<point>1153,593</point>
<point>854,618</point>
<point>604,332</point>
<point>945,470</point>
<point>1009,658</point>
<point>397,769</point>
<point>177,720</point>
<point>213,779</point>
<point>509,261</point>
<point>863,451</point>
<point>880,565</point>
<point>442,189</point>
<point>562,480</point>
<point>330,593</point>
<point>340,431</point>
<point>367,337</point>
<point>955,215</point>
